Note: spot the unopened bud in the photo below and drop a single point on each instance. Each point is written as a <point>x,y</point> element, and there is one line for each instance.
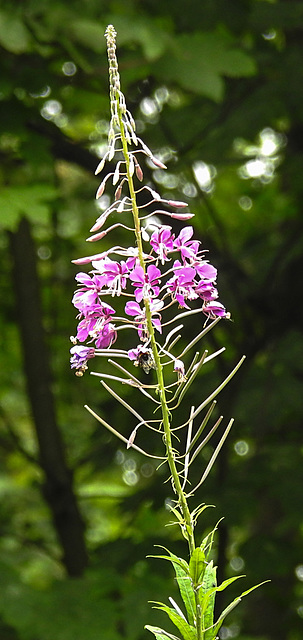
<point>82,261</point>
<point>118,192</point>
<point>182,216</point>
<point>176,203</point>
<point>100,165</point>
<point>102,186</point>
<point>116,175</point>
<point>120,207</point>
<point>131,438</point>
<point>145,148</point>
<point>131,165</point>
<point>134,138</point>
<point>99,223</point>
<point>158,163</point>
<point>97,236</point>
<point>100,190</point>
<point>139,172</point>
<point>88,259</point>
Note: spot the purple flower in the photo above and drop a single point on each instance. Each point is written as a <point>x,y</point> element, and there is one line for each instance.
<point>146,283</point>
<point>206,270</point>
<point>214,310</point>
<point>188,248</point>
<point>132,261</point>
<point>206,290</point>
<point>134,309</point>
<point>85,297</point>
<point>182,284</point>
<point>79,357</point>
<point>112,274</point>
<point>162,241</point>
<point>107,335</point>
<point>94,321</point>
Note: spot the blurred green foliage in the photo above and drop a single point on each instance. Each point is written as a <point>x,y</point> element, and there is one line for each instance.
<point>216,90</point>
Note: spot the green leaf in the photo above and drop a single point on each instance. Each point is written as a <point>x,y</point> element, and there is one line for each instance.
<point>160,633</point>
<point>227,582</point>
<point>143,30</point>
<point>186,591</point>
<point>173,559</point>
<point>188,631</point>
<point>184,582</point>
<point>29,200</point>
<point>232,605</point>
<point>197,565</point>
<point>14,36</point>
<point>199,60</point>
<point>207,599</point>
<point>88,33</point>
<point>207,542</point>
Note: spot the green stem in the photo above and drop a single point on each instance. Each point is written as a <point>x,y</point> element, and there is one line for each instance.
<point>188,523</point>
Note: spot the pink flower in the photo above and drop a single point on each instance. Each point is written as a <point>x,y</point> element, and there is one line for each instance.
<point>107,335</point>
<point>188,248</point>
<point>112,274</point>
<point>79,357</point>
<point>85,297</point>
<point>206,270</point>
<point>93,322</point>
<point>134,309</point>
<point>214,310</point>
<point>146,283</point>
<point>162,241</point>
<point>182,284</point>
<point>206,290</point>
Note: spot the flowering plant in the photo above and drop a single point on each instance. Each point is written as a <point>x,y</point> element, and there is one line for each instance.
<point>165,277</point>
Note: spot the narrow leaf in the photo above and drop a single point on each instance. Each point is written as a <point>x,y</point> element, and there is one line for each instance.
<point>188,631</point>
<point>197,565</point>
<point>233,604</point>
<point>186,591</point>
<point>173,559</point>
<point>227,582</point>
<point>160,634</point>
<point>207,599</point>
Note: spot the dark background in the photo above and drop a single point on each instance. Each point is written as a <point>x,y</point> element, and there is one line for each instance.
<point>215,86</point>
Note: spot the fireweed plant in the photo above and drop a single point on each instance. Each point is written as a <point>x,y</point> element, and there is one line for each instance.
<point>159,276</point>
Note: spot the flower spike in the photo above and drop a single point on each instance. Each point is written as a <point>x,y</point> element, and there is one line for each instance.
<point>159,278</point>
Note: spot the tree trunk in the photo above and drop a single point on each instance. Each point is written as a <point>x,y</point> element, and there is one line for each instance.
<point>57,488</point>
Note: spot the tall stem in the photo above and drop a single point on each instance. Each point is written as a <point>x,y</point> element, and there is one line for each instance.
<point>188,523</point>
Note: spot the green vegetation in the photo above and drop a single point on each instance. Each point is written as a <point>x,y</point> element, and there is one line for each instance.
<point>215,88</point>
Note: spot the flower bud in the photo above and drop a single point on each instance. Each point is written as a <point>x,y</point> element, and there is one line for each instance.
<point>100,165</point>
<point>182,216</point>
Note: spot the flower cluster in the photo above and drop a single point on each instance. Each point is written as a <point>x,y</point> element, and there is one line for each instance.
<point>176,272</point>
<point>160,271</point>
